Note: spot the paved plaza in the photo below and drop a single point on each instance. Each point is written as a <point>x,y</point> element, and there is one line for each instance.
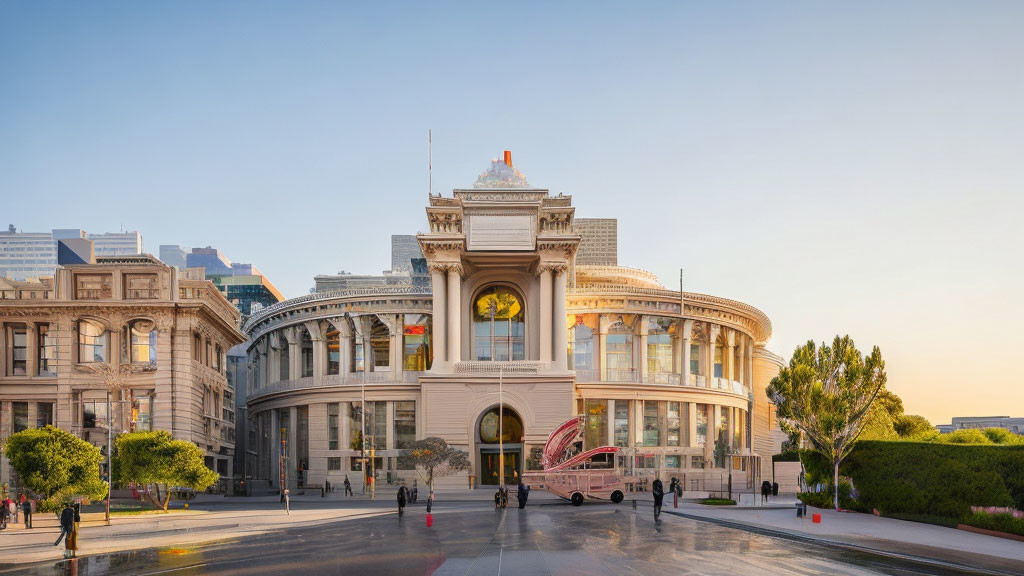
<point>468,537</point>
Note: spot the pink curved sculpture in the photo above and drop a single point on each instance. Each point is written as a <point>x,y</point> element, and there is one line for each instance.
<point>568,476</point>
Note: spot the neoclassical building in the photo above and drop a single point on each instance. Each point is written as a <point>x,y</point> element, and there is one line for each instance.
<point>676,380</point>
<point>154,337</point>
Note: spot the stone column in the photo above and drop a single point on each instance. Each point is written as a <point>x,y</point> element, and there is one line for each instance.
<point>728,356</point>
<point>641,369</point>
<point>559,327</point>
<point>611,422</point>
<point>344,427</point>
<point>294,354</point>
<point>293,454</point>
<point>275,447</point>
<point>439,332</point>
<point>455,315</point>
<point>32,350</point>
<point>395,345</point>
<point>741,360</point>
<point>687,331</point>
<point>546,315</point>
<point>602,343</point>
<point>319,369</point>
<point>692,406</point>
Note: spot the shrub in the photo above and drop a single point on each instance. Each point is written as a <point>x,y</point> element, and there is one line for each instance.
<point>718,502</point>
<point>824,499</point>
<point>999,522</point>
<point>1001,436</point>
<point>968,436</point>
<point>925,479</point>
<point>787,456</point>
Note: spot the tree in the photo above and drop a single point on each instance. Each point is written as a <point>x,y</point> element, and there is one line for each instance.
<point>152,458</point>
<point>880,421</point>
<point>55,465</point>
<point>825,392</point>
<point>913,426</point>
<point>433,457</point>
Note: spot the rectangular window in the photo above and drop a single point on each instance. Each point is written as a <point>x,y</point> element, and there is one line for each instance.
<point>141,286</point>
<point>718,361</point>
<point>333,464</point>
<point>142,413</point>
<point>673,423</point>
<point>416,335</point>
<point>697,462</point>
<point>596,432</point>
<point>356,464</point>
<point>737,428</point>
<point>355,430</point>
<point>694,359</point>
<point>358,364</point>
<point>283,354</point>
<point>47,351</point>
<point>672,461</point>
<point>19,410</point>
<point>333,352</point>
<point>44,414</point>
<point>216,357</point>
<point>377,424</point>
<point>307,358</point>
<point>702,424</point>
<point>622,423</point>
<point>19,352</point>
<point>332,428</point>
<point>405,424</point>
<point>93,287</point>
<point>652,424</point>
<point>92,342</point>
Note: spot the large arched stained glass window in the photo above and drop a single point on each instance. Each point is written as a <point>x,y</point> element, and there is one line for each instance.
<point>498,325</point>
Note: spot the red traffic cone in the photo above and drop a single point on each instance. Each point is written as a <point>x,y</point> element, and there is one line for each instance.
<point>816,518</point>
<point>430,520</point>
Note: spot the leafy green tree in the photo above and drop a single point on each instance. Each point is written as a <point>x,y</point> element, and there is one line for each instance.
<point>149,459</point>
<point>825,392</point>
<point>56,465</point>
<point>1001,436</point>
<point>913,426</point>
<point>880,421</point>
<point>433,457</point>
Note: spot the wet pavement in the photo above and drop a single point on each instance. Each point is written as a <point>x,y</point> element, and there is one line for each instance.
<point>593,540</point>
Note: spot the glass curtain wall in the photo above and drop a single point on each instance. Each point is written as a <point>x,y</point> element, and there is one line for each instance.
<point>499,327</point>
<point>622,423</point>
<point>660,334</point>
<point>596,432</point>
<point>619,353</point>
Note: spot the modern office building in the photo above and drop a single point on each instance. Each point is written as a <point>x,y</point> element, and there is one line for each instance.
<point>599,241</point>
<point>1015,425</point>
<point>675,381</point>
<point>404,249</point>
<point>211,259</point>
<point>155,336</point>
<point>173,255</point>
<point>25,255</point>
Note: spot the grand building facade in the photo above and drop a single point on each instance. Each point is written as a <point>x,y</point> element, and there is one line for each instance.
<point>510,319</point>
<point>125,343</point>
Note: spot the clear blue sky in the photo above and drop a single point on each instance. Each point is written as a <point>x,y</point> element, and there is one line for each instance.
<point>846,168</point>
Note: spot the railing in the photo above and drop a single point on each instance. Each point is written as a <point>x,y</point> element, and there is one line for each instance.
<point>329,380</point>
<point>509,367</point>
<point>263,313</point>
<point>666,378</point>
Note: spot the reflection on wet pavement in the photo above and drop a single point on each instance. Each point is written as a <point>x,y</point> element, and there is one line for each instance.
<point>555,540</point>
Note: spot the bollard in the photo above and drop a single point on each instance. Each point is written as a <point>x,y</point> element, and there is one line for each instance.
<point>634,504</point>
<point>816,518</point>
<point>430,520</point>
<point>675,499</point>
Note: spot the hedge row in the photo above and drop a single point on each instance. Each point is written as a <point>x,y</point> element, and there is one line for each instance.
<point>927,479</point>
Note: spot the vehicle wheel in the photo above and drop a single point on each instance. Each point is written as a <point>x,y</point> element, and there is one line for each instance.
<point>617,496</point>
<point>576,499</point>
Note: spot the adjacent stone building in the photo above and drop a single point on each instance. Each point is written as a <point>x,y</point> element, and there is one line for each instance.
<point>154,338</point>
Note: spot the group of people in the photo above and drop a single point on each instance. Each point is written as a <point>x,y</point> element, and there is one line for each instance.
<point>501,496</point>
<point>9,510</point>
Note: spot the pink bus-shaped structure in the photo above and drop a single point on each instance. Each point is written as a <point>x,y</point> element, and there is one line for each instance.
<point>568,476</point>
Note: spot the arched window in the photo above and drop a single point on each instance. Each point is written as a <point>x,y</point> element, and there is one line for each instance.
<point>619,352</point>
<point>380,343</point>
<point>498,326</point>
<point>92,341</point>
<point>511,426</point>
<point>141,341</point>
<point>416,343</point>
<point>659,346</point>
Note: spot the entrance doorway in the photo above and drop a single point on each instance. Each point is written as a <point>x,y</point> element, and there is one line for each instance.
<point>506,427</point>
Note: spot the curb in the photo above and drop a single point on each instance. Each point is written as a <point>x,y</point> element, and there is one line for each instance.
<point>792,536</point>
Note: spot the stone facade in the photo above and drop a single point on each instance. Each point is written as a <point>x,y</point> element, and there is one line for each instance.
<point>131,325</point>
<point>509,318</point>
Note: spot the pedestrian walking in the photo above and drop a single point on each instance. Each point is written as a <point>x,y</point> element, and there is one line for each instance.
<point>401,500</point>
<point>15,508</point>
<point>67,522</point>
<point>327,486</point>
<point>415,492</point>
<point>286,494</point>
<point>658,491</point>
<point>26,511</point>
<point>4,515</point>
<point>523,493</point>
<point>348,486</point>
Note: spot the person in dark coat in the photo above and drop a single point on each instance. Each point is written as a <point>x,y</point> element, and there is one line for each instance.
<point>658,491</point>
<point>348,486</point>
<point>766,490</point>
<point>67,522</point>
<point>26,510</point>
<point>401,500</point>
<point>5,512</point>
<point>523,493</point>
